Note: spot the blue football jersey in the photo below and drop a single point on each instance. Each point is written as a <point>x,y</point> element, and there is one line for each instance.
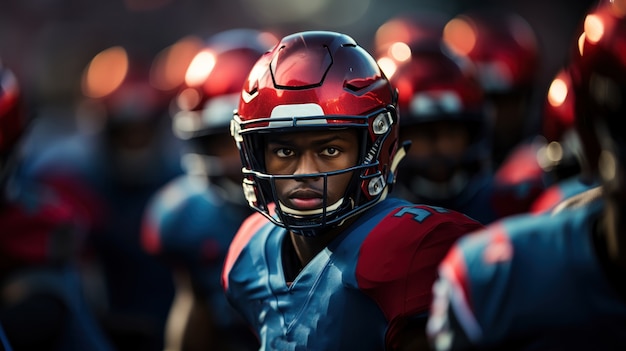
<point>529,282</point>
<point>356,291</point>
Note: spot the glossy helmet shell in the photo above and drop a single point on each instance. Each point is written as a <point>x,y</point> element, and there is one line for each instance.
<point>599,79</point>
<point>502,44</point>
<point>318,80</point>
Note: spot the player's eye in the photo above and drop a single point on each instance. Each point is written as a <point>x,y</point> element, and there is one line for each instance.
<point>283,152</point>
<point>330,151</point>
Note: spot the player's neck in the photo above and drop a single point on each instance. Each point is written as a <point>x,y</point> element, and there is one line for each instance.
<point>307,247</point>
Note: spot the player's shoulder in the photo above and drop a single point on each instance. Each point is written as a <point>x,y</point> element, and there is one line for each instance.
<point>403,225</point>
<point>182,188</point>
<point>248,229</point>
<point>404,216</point>
<point>524,226</point>
<point>519,239</point>
<point>506,260</point>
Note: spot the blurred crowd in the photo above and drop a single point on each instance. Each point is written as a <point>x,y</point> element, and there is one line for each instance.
<point>120,183</point>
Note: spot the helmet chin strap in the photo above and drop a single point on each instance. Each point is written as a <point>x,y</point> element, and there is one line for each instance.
<point>400,154</point>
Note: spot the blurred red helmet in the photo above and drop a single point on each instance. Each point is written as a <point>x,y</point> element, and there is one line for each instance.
<point>561,154</point>
<point>418,29</point>
<point>437,86</point>
<point>558,109</point>
<point>599,79</point>
<point>12,114</point>
<point>502,44</point>
<point>214,80</point>
<point>319,80</point>
<point>118,84</point>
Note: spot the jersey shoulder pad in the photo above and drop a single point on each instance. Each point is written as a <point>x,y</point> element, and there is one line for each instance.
<point>398,260</point>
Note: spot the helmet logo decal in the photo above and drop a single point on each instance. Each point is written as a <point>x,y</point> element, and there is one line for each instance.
<point>297,110</point>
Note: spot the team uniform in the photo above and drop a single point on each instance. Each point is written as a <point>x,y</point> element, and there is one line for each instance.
<point>356,293</point>
<point>530,283</point>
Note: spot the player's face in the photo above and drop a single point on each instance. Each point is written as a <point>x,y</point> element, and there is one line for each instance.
<point>438,145</point>
<point>310,153</point>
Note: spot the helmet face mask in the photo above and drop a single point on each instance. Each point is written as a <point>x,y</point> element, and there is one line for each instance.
<point>369,182</point>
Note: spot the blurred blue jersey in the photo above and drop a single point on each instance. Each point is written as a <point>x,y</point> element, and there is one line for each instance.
<point>189,222</point>
<point>530,283</point>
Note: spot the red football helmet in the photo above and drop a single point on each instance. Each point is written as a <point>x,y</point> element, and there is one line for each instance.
<point>318,80</point>
<point>502,44</point>
<point>214,80</point>
<point>505,49</point>
<point>120,92</point>
<point>12,116</point>
<point>205,105</point>
<point>422,29</point>
<point>599,79</point>
<point>436,86</point>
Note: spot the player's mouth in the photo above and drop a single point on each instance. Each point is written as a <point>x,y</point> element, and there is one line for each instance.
<point>306,199</point>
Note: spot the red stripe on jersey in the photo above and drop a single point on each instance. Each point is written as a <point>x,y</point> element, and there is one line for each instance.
<point>547,200</point>
<point>246,231</point>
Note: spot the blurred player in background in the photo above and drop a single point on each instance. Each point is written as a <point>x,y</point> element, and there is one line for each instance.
<point>42,302</point>
<point>191,220</point>
<point>448,119</point>
<point>121,151</point>
<point>553,281</point>
<point>505,49</point>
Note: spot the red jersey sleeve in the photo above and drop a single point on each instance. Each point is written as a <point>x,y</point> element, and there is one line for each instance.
<point>399,259</point>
